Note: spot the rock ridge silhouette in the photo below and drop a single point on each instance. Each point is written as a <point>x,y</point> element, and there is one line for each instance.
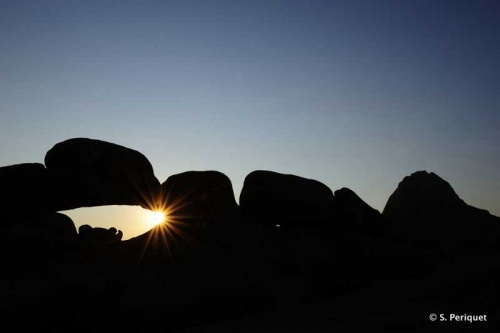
<point>292,255</point>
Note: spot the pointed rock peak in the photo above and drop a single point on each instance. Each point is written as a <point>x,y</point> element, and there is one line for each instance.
<point>422,192</point>
<point>429,184</point>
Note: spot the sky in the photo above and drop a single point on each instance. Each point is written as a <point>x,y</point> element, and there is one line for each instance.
<point>355,94</point>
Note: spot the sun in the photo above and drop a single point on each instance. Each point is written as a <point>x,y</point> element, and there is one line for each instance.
<point>155,217</point>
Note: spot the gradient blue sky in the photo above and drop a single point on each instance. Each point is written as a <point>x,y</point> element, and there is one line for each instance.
<point>351,93</point>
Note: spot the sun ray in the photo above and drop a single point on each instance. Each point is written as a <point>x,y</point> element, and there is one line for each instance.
<point>170,226</point>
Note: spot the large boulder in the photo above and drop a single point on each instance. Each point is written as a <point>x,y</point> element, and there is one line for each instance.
<point>199,196</point>
<point>34,244</point>
<point>426,209</point>
<point>24,191</point>
<point>48,228</point>
<point>89,173</point>
<point>274,199</point>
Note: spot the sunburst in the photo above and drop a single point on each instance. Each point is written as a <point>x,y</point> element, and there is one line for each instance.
<point>154,218</point>
<point>167,226</point>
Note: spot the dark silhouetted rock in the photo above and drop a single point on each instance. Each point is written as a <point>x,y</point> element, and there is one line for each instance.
<point>426,209</point>
<point>227,262</point>
<point>199,195</point>
<point>365,218</point>
<point>34,245</point>
<point>97,234</point>
<point>279,199</point>
<point>422,195</point>
<point>57,223</point>
<point>24,191</point>
<point>54,226</point>
<point>87,173</point>
<point>96,243</point>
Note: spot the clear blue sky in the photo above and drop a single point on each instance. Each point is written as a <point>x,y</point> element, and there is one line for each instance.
<point>351,93</point>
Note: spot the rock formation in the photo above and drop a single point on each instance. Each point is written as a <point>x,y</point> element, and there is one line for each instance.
<point>426,209</point>
<point>357,212</point>
<point>51,227</point>
<point>97,234</point>
<point>25,191</point>
<point>199,195</point>
<point>89,173</point>
<point>327,247</point>
<point>286,200</point>
<point>34,246</point>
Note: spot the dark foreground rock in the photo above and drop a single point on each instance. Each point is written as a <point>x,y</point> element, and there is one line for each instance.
<point>34,247</point>
<point>49,228</point>
<point>403,305</point>
<point>87,173</point>
<point>239,274</point>
<point>286,200</point>
<point>176,281</point>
